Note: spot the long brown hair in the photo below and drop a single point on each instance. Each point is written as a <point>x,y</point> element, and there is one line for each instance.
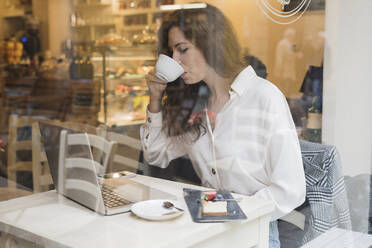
<point>212,33</point>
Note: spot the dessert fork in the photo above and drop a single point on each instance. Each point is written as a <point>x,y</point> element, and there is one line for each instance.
<point>168,204</point>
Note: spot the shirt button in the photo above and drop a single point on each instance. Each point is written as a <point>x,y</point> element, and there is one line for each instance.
<point>147,136</point>
<point>213,171</point>
<point>149,120</point>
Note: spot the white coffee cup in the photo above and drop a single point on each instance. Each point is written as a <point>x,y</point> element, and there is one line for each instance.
<point>168,69</point>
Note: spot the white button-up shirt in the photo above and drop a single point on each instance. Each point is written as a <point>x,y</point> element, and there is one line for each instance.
<point>253,149</point>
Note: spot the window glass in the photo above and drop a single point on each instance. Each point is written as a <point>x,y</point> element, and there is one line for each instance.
<point>262,98</point>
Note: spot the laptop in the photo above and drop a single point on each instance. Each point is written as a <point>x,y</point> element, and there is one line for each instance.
<point>106,196</point>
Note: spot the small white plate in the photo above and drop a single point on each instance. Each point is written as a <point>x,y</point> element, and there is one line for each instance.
<point>154,210</point>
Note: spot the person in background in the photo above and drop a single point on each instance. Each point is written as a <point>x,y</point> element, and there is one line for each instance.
<point>243,138</point>
<point>256,64</point>
<point>286,60</point>
<point>312,88</point>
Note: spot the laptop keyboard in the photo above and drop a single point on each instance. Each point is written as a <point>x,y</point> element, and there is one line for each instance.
<point>112,199</point>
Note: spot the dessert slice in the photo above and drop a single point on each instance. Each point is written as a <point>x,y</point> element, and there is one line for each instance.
<point>214,208</point>
<point>211,207</point>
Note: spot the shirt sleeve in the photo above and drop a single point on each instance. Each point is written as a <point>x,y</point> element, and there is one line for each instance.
<point>158,149</point>
<point>284,166</point>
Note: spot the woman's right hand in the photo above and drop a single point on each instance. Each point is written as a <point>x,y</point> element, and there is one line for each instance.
<point>156,87</point>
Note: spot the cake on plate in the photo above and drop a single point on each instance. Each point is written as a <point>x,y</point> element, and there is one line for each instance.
<point>212,207</point>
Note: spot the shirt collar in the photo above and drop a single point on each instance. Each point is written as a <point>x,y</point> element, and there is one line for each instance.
<point>243,80</point>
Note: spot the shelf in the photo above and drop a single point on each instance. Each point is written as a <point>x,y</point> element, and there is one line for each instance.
<point>124,58</point>
<point>91,6</point>
<point>138,11</point>
<point>94,24</point>
<point>134,77</point>
<point>133,11</point>
<point>134,27</point>
<point>114,47</point>
<point>81,26</point>
<point>124,52</point>
<point>127,81</point>
<point>122,122</point>
<point>11,13</point>
<point>125,28</point>
<point>130,78</point>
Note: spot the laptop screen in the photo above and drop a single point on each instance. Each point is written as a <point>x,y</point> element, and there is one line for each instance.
<point>83,184</point>
<point>50,137</point>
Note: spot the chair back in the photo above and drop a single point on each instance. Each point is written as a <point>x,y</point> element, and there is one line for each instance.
<point>77,175</point>
<point>41,176</point>
<point>128,151</point>
<point>24,135</point>
<point>325,188</point>
<point>87,160</point>
<point>326,204</point>
<point>18,140</point>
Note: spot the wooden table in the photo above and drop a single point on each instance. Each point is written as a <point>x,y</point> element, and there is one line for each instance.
<point>51,220</point>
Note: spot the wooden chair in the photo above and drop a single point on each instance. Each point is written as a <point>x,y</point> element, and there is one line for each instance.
<point>37,163</point>
<point>15,145</point>
<point>127,150</point>
<point>67,141</point>
<point>41,177</point>
<point>73,169</point>
<point>78,127</point>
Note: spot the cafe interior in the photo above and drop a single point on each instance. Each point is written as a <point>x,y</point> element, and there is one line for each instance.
<point>74,96</point>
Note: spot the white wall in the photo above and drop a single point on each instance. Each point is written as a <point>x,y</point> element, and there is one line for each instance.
<point>40,9</point>
<point>55,23</point>
<point>347,107</point>
<point>59,24</point>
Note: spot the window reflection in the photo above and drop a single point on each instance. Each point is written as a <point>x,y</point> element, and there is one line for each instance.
<point>83,64</point>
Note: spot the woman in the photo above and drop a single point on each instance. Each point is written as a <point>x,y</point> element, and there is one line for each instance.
<point>244,140</point>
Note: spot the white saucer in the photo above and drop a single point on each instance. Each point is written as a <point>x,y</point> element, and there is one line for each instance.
<point>154,210</point>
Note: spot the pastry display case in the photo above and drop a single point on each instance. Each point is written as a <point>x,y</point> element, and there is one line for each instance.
<point>123,36</point>
<point>122,70</point>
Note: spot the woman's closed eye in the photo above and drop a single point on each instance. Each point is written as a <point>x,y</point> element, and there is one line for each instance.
<point>184,50</point>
